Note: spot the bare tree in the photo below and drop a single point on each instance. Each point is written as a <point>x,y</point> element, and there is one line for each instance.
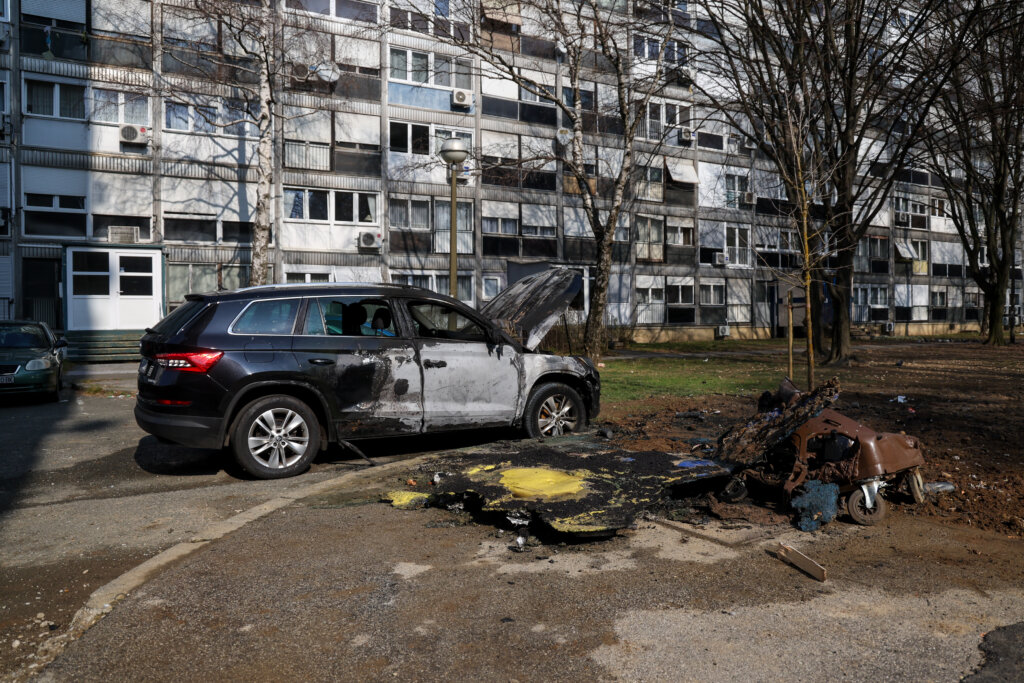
<point>612,58</point>
<point>977,151</point>
<point>862,75</point>
<point>228,62</point>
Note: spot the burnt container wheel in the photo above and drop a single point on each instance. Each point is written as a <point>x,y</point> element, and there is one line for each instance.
<point>856,505</point>
<point>275,437</point>
<point>916,485</point>
<point>554,409</point>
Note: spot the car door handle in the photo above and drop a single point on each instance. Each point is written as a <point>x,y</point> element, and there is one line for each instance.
<point>321,361</point>
<point>434,364</point>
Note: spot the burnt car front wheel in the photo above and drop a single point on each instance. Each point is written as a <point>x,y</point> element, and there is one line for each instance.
<point>275,437</point>
<point>553,410</point>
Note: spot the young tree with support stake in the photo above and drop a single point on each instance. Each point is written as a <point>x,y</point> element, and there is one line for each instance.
<point>630,50</point>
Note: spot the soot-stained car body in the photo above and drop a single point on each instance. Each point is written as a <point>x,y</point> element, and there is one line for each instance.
<point>278,372</point>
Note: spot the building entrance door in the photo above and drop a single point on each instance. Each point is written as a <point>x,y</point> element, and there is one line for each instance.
<point>113,289</point>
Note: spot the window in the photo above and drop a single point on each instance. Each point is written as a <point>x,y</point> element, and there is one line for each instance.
<point>712,294</point>
<point>190,118</point>
<point>300,278</point>
<point>344,9</point>
<point>492,285</point>
<point>451,72</point>
<point>442,227</point>
<point>645,47</point>
<point>463,283</point>
<point>276,316</point>
<point>409,213</point>
<point>680,235</point>
<point>588,99</point>
<point>62,100</point>
<point>190,229</point>
<point>409,65</point>
<point>878,247</point>
<point>101,225</point>
<point>679,293</point>
<point>349,317</point>
<point>938,298</point>
<point>920,248</point>
<point>114,106</point>
<point>240,118</point>
<point>442,134</point>
<point>437,321</point>
<point>503,226</point>
<point>355,207</point>
<point>54,214</point>
<point>90,273</point>
<point>650,238</point>
<point>735,187</point>
<point>737,241</point>
<point>650,184</point>
<point>526,96</point>
<point>305,204</point>
<point>409,138</point>
<point>938,207</point>
<point>421,281</point>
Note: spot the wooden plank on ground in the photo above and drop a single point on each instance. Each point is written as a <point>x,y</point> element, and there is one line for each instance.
<point>801,561</point>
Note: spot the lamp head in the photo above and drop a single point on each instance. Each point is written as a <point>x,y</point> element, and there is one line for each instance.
<point>454,151</point>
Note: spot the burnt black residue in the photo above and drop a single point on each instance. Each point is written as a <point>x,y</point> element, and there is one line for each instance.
<point>623,485</point>
<point>363,381</point>
<point>401,387</point>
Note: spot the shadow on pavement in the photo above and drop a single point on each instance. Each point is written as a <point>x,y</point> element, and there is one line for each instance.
<point>27,420</point>
<point>157,457</point>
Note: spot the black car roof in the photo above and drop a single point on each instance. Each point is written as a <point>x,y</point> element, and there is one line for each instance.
<point>321,289</point>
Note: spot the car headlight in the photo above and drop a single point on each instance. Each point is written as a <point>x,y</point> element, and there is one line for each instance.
<point>38,364</point>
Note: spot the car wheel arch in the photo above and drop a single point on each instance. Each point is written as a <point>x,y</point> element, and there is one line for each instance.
<point>575,382</point>
<point>303,392</point>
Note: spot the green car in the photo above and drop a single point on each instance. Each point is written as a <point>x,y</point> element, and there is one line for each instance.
<point>31,359</point>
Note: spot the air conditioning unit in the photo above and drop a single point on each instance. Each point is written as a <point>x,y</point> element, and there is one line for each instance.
<point>684,75</point>
<point>750,198</point>
<point>721,258</point>
<point>686,135</point>
<point>123,234</point>
<point>889,327</point>
<point>370,240</point>
<point>749,144</point>
<point>902,217</point>
<point>722,331</point>
<point>131,134</point>
<point>462,98</point>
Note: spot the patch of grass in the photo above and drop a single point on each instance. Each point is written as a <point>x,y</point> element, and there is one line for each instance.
<point>629,380</point>
<point>720,345</point>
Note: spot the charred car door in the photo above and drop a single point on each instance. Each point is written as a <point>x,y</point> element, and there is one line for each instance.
<point>352,348</point>
<point>471,375</point>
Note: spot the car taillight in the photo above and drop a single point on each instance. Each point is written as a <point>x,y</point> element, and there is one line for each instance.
<point>190,361</point>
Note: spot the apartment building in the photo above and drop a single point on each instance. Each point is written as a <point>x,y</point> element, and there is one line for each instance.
<point>119,194</point>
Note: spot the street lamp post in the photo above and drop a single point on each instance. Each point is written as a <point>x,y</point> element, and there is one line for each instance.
<point>453,152</point>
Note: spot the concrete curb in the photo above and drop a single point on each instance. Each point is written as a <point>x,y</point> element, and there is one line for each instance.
<point>103,600</point>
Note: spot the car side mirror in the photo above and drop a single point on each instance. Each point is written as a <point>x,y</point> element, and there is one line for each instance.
<point>61,344</point>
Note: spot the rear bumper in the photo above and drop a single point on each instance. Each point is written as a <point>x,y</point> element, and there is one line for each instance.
<point>187,430</point>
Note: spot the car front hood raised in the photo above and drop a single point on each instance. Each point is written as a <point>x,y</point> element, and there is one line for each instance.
<point>531,307</point>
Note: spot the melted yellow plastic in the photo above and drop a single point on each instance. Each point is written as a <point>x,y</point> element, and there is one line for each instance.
<point>541,482</point>
<point>407,500</point>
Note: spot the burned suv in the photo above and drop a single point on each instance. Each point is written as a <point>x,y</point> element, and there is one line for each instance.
<point>278,372</point>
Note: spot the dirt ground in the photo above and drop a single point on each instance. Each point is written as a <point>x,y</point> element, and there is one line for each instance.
<point>962,399</point>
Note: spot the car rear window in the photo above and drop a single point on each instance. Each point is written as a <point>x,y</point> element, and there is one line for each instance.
<point>349,316</point>
<point>276,316</point>
<point>177,318</point>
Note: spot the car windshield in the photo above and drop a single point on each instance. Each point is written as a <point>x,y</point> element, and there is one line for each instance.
<point>22,337</point>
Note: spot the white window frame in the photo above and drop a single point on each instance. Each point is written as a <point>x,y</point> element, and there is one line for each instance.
<point>712,294</point>
<point>355,195</point>
<point>55,208</point>
<point>122,96</point>
<point>408,210</point>
<point>55,98</point>
<point>681,231</point>
<point>197,123</point>
<point>505,226</point>
<point>307,193</point>
<point>434,279</point>
<point>739,256</point>
<point>736,185</point>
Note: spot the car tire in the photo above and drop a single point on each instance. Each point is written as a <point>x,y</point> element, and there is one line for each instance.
<point>861,514</point>
<point>734,491</point>
<point>554,409</point>
<point>275,437</point>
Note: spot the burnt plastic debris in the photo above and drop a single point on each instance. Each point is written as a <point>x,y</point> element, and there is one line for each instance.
<point>817,504</point>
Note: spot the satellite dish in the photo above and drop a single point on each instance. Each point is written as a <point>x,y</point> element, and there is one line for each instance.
<point>563,136</point>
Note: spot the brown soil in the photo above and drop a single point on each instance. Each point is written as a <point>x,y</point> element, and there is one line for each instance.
<point>963,400</point>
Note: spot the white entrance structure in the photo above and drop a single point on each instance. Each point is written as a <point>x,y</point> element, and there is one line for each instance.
<point>113,289</point>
